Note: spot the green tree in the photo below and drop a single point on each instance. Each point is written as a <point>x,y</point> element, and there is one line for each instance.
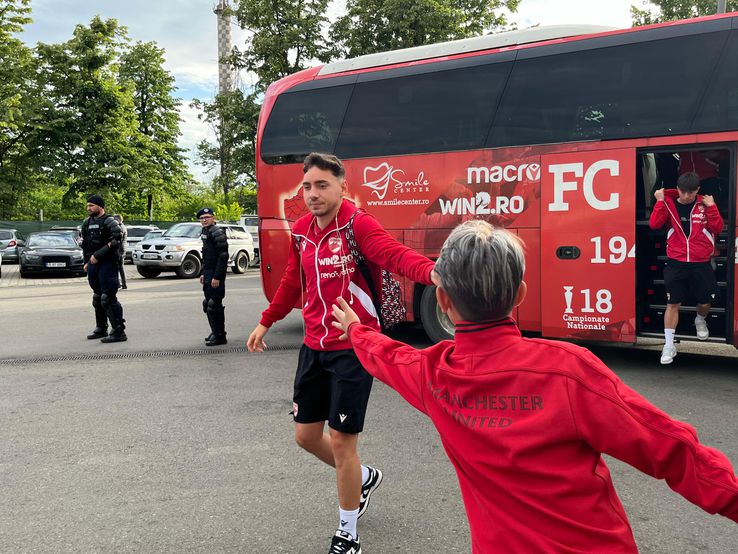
<point>91,129</point>
<point>232,118</point>
<point>20,103</point>
<point>671,10</point>
<point>371,26</point>
<point>285,36</point>
<point>162,168</point>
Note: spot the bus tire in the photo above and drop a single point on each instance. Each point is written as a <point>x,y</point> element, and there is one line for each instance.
<point>436,324</point>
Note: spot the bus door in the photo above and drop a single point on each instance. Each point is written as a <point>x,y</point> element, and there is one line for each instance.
<point>588,245</point>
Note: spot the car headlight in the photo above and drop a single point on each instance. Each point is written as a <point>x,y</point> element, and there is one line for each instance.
<point>179,248</point>
<point>32,257</point>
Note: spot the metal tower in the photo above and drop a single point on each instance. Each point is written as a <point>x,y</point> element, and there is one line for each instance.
<point>225,73</point>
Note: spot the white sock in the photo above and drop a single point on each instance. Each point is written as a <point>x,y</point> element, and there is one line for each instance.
<point>347,521</point>
<point>669,336</point>
<point>364,474</point>
<point>699,318</point>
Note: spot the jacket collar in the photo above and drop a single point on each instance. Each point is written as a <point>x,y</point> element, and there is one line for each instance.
<point>342,218</point>
<point>493,335</point>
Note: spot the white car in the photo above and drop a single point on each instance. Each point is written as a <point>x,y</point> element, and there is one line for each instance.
<point>179,249</point>
<point>251,223</point>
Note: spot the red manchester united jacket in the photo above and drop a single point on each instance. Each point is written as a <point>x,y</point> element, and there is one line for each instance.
<point>525,423</point>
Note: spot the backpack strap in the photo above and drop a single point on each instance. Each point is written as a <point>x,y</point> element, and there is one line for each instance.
<point>363,266</point>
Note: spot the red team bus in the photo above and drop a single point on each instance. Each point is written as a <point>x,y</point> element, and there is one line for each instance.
<point>559,134</point>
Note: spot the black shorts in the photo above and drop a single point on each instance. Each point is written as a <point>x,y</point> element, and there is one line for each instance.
<point>332,386</point>
<point>689,280</point>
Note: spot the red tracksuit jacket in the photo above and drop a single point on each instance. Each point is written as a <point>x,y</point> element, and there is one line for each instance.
<point>330,271</point>
<point>705,223</point>
<point>524,421</point>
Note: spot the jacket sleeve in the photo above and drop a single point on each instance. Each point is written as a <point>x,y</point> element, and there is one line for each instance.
<point>288,292</point>
<point>659,215</point>
<point>85,240</point>
<point>380,248</point>
<point>394,363</point>
<point>616,420</point>
<point>714,220</point>
<point>115,235</point>
<point>220,243</point>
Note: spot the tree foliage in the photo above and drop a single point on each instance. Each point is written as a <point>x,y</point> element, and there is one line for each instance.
<point>19,107</point>
<point>371,26</point>
<point>162,168</point>
<point>232,117</point>
<point>285,36</point>
<point>657,11</point>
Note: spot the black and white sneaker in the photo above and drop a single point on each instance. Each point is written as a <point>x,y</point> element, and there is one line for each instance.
<point>372,482</point>
<point>344,543</point>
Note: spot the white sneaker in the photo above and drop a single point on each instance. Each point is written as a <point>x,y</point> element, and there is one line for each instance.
<point>703,333</point>
<point>668,354</point>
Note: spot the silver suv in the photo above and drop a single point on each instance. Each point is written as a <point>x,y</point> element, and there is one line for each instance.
<point>179,249</point>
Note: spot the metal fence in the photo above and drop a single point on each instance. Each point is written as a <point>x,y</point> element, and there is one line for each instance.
<point>27,227</point>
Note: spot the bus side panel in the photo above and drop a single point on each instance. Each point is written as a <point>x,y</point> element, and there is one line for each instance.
<point>588,245</point>
<point>274,244</point>
<point>529,312</point>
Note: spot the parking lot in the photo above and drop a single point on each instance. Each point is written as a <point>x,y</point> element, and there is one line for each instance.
<point>162,445</point>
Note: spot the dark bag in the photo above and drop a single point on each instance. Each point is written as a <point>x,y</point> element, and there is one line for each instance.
<point>388,304</point>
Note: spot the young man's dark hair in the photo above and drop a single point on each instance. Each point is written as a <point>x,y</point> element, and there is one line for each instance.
<point>326,162</point>
<point>525,421</point>
<point>688,182</point>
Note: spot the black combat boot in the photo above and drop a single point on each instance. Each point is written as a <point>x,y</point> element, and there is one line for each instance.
<point>117,324</point>
<point>216,316</point>
<point>101,319</point>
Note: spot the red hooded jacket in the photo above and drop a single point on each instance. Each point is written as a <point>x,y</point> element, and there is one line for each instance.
<point>705,223</point>
<point>525,423</point>
<point>330,271</point>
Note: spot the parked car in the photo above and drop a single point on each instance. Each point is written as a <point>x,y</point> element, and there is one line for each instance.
<point>136,233</point>
<point>76,232</point>
<point>251,223</point>
<point>179,249</point>
<point>155,234</point>
<point>51,251</point>
<point>10,241</point>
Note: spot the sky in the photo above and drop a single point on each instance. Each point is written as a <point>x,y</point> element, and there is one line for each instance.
<point>187,30</point>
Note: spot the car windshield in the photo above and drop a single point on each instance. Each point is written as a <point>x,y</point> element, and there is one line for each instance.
<point>251,221</point>
<point>134,232</point>
<point>183,230</point>
<point>152,235</point>
<point>6,235</point>
<point>56,240</point>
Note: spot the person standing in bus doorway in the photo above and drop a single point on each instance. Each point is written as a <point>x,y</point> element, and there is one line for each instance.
<point>213,274</point>
<point>330,383</point>
<point>525,421</point>
<point>101,238</point>
<point>694,220</point>
<point>122,251</point>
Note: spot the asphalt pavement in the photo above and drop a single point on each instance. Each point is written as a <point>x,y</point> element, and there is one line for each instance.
<point>160,444</point>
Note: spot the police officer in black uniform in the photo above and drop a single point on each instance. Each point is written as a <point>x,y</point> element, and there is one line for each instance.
<point>213,274</point>
<point>101,238</point>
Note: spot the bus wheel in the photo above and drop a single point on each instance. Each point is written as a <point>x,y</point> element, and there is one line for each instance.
<point>437,325</point>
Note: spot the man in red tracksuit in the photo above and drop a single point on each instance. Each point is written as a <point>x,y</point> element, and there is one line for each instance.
<point>525,421</point>
<point>330,384</point>
<point>694,221</point>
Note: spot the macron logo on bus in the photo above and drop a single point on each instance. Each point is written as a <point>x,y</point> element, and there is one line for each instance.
<point>498,173</point>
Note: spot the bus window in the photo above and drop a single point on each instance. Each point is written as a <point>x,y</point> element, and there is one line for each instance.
<point>642,89</point>
<point>431,112</point>
<point>303,122</point>
<point>720,109</point>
